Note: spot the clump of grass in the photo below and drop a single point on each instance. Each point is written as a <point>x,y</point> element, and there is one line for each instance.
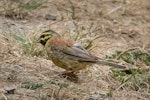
<point>19,8</point>
<point>133,57</point>
<point>84,36</point>
<point>136,78</point>
<point>59,84</point>
<point>28,44</point>
<point>56,86</point>
<point>31,5</point>
<point>32,86</point>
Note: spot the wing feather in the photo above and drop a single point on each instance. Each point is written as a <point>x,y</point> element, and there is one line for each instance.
<point>79,53</point>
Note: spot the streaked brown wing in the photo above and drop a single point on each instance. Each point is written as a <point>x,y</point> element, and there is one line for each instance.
<point>77,52</point>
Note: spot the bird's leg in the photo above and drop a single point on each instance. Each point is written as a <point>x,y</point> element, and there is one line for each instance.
<point>69,75</point>
<point>67,72</point>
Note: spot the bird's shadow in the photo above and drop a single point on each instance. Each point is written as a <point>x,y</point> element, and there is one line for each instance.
<point>70,76</point>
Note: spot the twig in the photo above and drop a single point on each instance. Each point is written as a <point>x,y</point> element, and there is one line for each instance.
<point>90,28</point>
<point>76,27</point>
<point>53,93</point>
<point>4,96</point>
<point>72,8</point>
<point>113,10</point>
<point>131,49</point>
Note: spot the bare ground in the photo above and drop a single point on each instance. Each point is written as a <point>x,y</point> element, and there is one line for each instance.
<point>121,25</point>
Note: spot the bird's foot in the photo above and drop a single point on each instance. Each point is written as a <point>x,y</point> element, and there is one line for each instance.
<point>69,75</point>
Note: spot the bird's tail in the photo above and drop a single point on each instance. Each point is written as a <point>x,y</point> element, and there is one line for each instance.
<point>103,62</point>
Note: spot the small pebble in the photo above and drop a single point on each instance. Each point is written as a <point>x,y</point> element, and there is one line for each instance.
<point>50,17</point>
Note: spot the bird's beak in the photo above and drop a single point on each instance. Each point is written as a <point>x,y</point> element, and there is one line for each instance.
<point>38,40</point>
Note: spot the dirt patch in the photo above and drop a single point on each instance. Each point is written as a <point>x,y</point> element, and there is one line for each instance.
<point>120,25</point>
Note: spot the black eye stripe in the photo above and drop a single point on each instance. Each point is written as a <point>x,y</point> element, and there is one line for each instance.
<point>44,35</point>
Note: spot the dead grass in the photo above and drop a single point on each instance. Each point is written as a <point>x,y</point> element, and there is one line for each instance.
<point>116,25</point>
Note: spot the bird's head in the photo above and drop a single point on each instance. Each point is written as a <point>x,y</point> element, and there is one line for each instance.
<point>47,35</point>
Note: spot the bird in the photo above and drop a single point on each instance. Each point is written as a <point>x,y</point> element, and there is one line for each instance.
<point>68,55</point>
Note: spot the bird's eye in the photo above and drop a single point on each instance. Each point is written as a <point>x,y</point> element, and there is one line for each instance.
<point>42,36</point>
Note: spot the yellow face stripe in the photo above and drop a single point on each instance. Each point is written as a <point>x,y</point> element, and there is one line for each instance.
<point>46,33</point>
<point>45,36</point>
